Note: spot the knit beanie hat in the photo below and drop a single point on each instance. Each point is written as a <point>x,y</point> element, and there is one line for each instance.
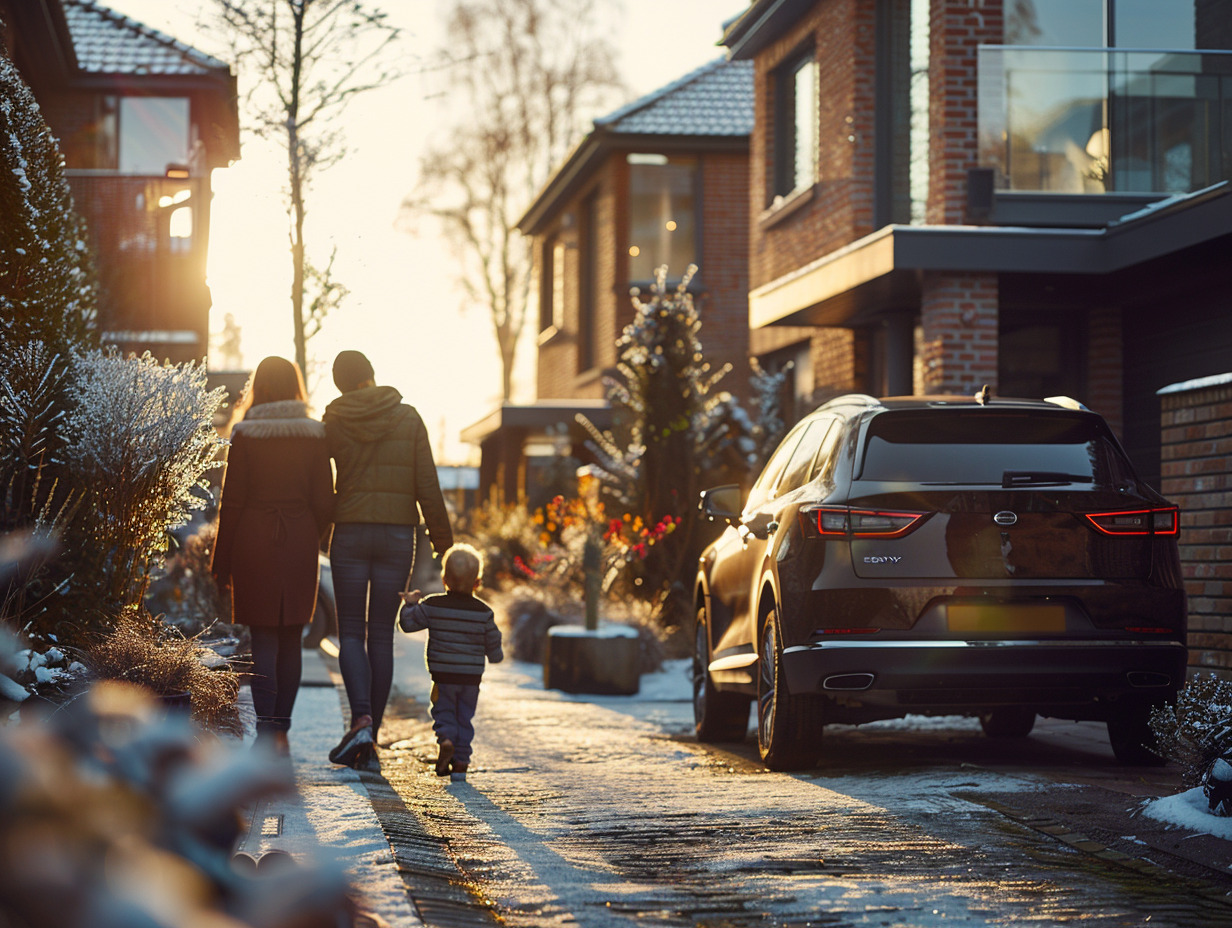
<point>351,369</point>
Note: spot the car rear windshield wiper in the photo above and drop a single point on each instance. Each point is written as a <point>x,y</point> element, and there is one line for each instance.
<point>1035,478</point>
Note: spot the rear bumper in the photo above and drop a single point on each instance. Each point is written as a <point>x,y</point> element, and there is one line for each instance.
<point>937,674</point>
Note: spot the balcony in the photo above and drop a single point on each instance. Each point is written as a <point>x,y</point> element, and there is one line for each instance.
<point>1105,121</point>
<point>148,237</point>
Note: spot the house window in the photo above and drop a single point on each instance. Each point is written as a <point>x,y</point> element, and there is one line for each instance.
<point>153,134</point>
<point>588,290</point>
<point>796,125</point>
<point>1171,24</point>
<point>662,226</point>
<point>1112,95</point>
<point>133,135</point>
<point>552,286</point>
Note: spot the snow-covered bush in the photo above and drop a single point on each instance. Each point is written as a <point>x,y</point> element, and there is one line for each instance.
<point>141,437</point>
<point>674,431</point>
<point>770,423</point>
<point>113,812</point>
<point>32,406</point>
<point>47,285</point>
<point>1195,732</point>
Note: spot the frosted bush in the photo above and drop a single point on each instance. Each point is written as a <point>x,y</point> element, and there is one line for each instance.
<point>674,431</point>
<point>769,388</point>
<point>141,439</point>
<point>31,415</point>
<point>1195,732</point>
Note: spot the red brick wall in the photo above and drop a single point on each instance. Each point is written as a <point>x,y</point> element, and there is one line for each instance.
<point>835,363</point>
<point>1104,368</point>
<point>723,306</point>
<point>839,208</point>
<point>957,28</point>
<point>958,313</point>
<point>723,303</point>
<point>1196,452</point>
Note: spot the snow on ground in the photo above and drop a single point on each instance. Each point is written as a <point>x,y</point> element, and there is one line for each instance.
<point>1189,810</point>
<point>665,699</point>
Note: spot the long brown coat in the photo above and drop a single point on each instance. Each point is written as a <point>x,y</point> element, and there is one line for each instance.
<point>277,506</point>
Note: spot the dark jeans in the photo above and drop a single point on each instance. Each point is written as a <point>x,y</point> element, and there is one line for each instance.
<point>369,563</point>
<point>453,708</point>
<point>277,665</point>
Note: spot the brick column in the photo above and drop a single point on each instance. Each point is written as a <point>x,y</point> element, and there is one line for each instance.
<point>1104,366</point>
<point>957,28</point>
<point>1196,453</point>
<point>958,313</point>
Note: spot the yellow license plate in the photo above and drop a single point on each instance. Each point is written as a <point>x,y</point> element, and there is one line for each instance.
<point>994,617</point>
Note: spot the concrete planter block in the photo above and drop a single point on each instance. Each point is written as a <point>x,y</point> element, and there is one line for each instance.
<point>601,661</point>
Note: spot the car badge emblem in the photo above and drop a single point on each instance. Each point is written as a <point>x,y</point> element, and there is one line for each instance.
<point>1005,517</point>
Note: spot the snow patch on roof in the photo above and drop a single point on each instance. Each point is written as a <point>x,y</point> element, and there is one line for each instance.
<point>107,42</point>
<point>1200,383</point>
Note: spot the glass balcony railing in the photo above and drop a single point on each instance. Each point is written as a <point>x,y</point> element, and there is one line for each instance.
<point>1104,120</point>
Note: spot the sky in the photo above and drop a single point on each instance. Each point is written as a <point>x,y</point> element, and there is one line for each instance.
<point>405,310</point>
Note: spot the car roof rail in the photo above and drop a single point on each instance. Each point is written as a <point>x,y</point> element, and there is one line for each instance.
<point>851,399</point>
<point>1067,401</point>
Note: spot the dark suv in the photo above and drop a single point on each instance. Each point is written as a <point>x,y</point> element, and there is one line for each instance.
<point>939,555</point>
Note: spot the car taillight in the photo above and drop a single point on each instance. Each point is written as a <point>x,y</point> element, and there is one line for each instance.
<point>1136,521</point>
<point>860,523</point>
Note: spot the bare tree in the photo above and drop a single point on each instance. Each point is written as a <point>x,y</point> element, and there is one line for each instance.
<point>308,60</point>
<point>525,75</point>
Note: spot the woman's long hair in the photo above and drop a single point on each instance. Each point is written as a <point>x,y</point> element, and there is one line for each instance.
<point>274,380</point>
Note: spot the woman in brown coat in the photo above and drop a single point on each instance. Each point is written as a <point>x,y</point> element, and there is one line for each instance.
<point>276,509</point>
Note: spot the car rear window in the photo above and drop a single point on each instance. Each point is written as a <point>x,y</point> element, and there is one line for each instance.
<point>990,448</point>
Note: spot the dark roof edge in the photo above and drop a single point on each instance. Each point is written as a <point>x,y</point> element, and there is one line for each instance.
<point>760,25</point>
<point>1010,249</point>
<point>563,182</point>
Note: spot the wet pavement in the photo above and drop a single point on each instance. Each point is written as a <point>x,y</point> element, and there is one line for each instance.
<point>602,813</point>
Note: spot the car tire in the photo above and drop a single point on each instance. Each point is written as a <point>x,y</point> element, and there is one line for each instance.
<point>789,727</point>
<point>1008,722</point>
<point>717,716</point>
<point>1129,733</point>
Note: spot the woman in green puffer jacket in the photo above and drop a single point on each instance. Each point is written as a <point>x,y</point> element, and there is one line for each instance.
<point>385,477</point>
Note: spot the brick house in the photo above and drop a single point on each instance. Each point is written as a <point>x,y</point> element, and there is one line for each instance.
<point>142,120</point>
<point>965,192</point>
<point>662,180</point>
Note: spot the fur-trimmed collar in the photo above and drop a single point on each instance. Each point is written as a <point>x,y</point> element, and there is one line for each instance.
<point>282,409</point>
<point>283,419</point>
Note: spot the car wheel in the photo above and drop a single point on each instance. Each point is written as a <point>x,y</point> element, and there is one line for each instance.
<point>717,716</point>
<point>788,727</point>
<point>1008,722</point>
<point>1130,735</point>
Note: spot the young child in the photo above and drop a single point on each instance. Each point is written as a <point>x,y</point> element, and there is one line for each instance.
<point>461,632</point>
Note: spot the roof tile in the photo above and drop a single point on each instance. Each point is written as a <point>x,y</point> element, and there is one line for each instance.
<point>715,99</point>
<point>107,42</point>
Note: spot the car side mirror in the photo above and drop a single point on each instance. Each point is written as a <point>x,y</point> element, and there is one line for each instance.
<point>722,503</point>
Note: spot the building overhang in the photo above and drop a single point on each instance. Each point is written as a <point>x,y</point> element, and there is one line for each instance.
<point>881,272</point>
<point>537,417</point>
<point>761,24</point>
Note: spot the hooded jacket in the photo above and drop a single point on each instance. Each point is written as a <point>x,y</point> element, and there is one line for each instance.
<point>385,471</point>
